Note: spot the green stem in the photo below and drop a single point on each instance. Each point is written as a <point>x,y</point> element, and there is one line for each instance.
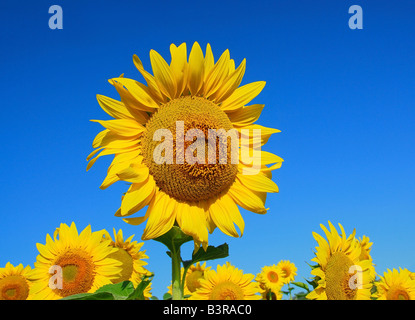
<point>177,289</point>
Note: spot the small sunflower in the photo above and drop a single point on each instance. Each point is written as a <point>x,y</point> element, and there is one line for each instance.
<point>270,279</point>
<point>227,283</point>
<point>396,285</point>
<point>15,282</point>
<point>366,247</point>
<point>268,294</point>
<point>192,280</point>
<point>288,270</point>
<point>189,98</point>
<point>131,258</point>
<point>73,263</point>
<point>340,274</point>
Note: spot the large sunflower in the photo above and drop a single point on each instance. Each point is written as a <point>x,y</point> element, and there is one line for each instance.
<point>396,285</point>
<point>227,283</point>
<point>131,256</point>
<point>340,274</point>
<point>15,282</point>
<point>73,263</point>
<point>155,142</point>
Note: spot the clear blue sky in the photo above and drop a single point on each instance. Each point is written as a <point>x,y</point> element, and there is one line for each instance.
<point>343,99</point>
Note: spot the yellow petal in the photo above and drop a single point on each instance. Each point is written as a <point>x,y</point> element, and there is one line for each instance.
<point>192,220</point>
<point>248,199</point>
<point>209,61</point>
<point>163,75</point>
<point>242,96</point>
<point>136,196</point>
<point>151,82</point>
<point>161,217</point>
<point>119,110</point>
<point>219,212</point>
<point>247,133</point>
<point>246,116</point>
<point>231,83</point>
<point>123,127</point>
<point>135,94</point>
<point>134,174</point>
<point>178,66</point>
<point>258,183</point>
<point>196,69</point>
<point>217,75</point>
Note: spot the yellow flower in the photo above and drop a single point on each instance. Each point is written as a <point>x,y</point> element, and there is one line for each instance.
<point>340,273</point>
<point>170,172</point>
<point>271,278</point>
<point>192,280</point>
<point>366,247</point>
<point>268,294</point>
<point>288,270</point>
<point>227,283</point>
<point>396,285</point>
<point>73,263</point>
<point>15,282</point>
<point>131,257</point>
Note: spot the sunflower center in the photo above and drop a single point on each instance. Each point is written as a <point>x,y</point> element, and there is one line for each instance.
<point>398,294</point>
<point>192,280</point>
<point>187,147</point>
<point>273,276</point>
<point>77,273</point>
<point>127,266</point>
<point>226,291</point>
<point>286,271</point>
<point>338,278</point>
<point>13,288</point>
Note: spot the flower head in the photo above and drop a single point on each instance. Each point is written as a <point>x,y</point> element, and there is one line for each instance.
<point>396,285</point>
<point>73,263</point>
<point>270,278</point>
<point>340,274</point>
<point>226,283</point>
<point>130,255</point>
<point>179,138</point>
<point>15,282</point>
<point>288,270</point>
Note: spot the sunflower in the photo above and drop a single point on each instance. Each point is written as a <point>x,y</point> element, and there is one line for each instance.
<point>72,263</point>
<point>15,282</point>
<point>131,257</point>
<point>366,247</point>
<point>227,283</point>
<point>288,270</point>
<point>158,141</point>
<point>270,279</point>
<point>192,280</point>
<point>340,274</point>
<point>268,294</point>
<point>396,285</point>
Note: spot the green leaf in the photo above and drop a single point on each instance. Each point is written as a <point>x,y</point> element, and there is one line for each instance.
<point>211,253</point>
<point>167,296</point>
<point>300,296</point>
<point>90,296</point>
<point>301,285</point>
<point>174,238</point>
<point>120,291</point>
<point>138,293</point>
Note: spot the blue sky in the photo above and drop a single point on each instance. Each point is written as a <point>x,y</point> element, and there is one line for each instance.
<point>343,99</point>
